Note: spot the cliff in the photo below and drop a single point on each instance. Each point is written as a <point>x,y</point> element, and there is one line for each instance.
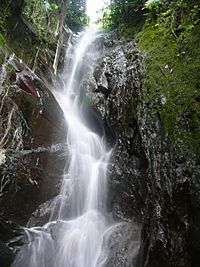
<point>131,102</point>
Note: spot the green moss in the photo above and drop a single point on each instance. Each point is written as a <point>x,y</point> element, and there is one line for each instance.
<point>1,56</point>
<point>18,36</point>
<point>2,41</point>
<point>172,86</point>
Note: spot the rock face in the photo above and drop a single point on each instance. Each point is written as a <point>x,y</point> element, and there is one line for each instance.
<point>5,255</point>
<point>118,77</point>
<point>8,231</point>
<point>153,179</point>
<point>167,221</point>
<point>32,146</point>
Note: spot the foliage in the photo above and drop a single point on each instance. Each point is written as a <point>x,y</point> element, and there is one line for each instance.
<point>43,15</point>
<point>123,12</point>
<point>173,13</point>
<point>76,14</point>
<point>172,88</point>
<point>37,23</point>
<point>2,41</point>
<point>24,29</point>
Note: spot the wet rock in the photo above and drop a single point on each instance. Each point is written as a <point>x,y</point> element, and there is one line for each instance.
<point>101,79</point>
<point>6,255</point>
<point>8,230</point>
<point>153,179</point>
<point>119,74</point>
<point>118,78</point>
<point>93,119</point>
<point>42,214</point>
<point>120,246</point>
<point>32,143</point>
<point>168,215</point>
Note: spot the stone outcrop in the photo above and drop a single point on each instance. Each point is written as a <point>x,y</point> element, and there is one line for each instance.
<point>120,72</point>
<point>32,146</point>
<point>153,178</point>
<point>33,136</point>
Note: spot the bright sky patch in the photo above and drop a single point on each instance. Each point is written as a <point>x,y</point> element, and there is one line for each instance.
<point>94,8</point>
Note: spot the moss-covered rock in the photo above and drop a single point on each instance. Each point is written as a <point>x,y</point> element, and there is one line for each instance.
<point>172,87</point>
<point>169,118</point>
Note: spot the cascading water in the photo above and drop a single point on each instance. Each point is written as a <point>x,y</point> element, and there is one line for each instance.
<point>74,235</point>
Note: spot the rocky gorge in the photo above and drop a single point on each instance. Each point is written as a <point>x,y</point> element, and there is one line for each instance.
<point>153,179</point>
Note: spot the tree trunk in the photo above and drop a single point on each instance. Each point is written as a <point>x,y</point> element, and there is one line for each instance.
<point>59,32</point>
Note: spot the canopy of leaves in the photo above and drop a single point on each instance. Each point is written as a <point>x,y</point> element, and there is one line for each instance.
<point>76,14</point>
<point>28,27</point>
<point>44,15</point>
<point>124,12</point>
<point>130,13</point>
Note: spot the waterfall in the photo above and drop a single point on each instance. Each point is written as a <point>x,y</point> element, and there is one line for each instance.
<point>74,235</point>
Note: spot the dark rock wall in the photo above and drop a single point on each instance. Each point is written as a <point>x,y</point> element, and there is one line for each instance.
<point>32,142</point>
<point>118,78</point>
<point>153,178</point>
<point>116,85</point>
<point>167,218</point>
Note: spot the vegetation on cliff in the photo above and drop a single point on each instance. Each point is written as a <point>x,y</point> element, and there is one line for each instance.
<point>32,29</point>
<point>168,34</point>
<point>171,37</point>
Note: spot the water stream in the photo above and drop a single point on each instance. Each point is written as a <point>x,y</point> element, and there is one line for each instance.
<point>79,219</point>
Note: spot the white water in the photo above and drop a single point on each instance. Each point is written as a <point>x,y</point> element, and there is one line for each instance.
<point>79,220</point>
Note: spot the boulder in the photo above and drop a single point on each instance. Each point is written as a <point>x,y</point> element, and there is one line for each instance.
<point>32,143</point>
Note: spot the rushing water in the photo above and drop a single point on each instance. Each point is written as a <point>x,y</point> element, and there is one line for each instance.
<point>74,235</point>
